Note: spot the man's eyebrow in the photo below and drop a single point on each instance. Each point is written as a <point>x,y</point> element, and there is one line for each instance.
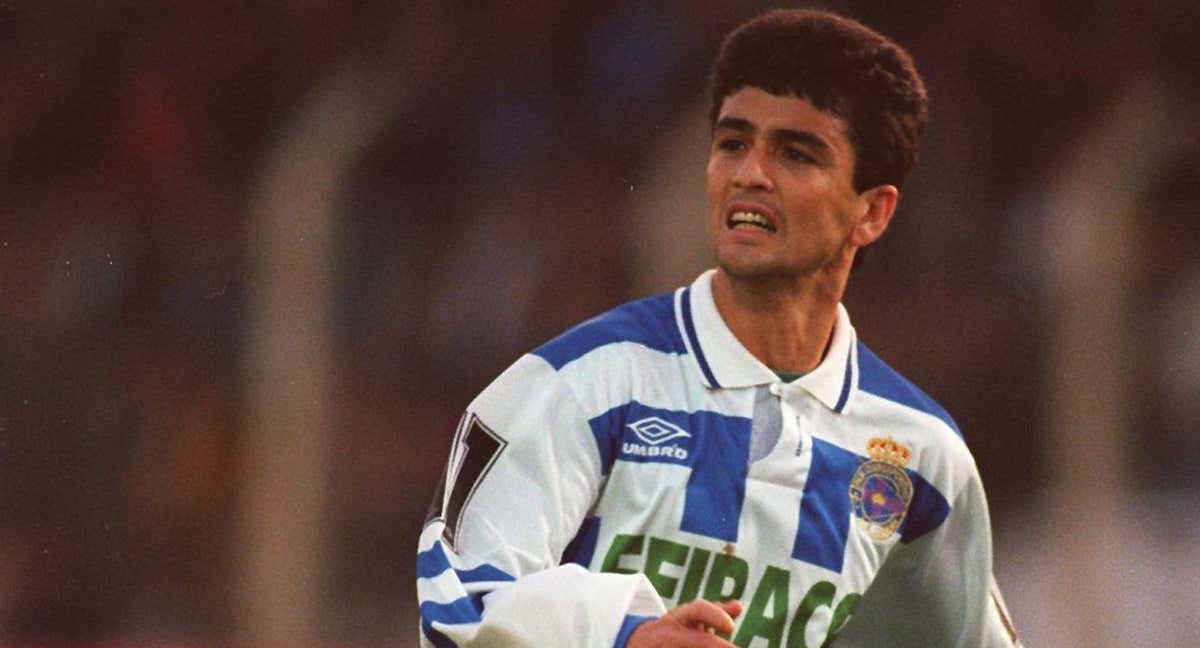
<point>807,138</point>
<point>803,137</point>
<point>734,123</point>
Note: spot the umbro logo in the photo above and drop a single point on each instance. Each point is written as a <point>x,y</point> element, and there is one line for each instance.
<point>656,431</point>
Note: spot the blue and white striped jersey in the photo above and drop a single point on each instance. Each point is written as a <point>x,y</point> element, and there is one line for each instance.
<point>645,458</point>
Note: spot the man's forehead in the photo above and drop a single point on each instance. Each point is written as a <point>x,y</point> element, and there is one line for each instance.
<point>763,110</point>
<point>754,97</point>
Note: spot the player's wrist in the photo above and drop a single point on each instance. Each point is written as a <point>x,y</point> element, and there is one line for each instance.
<point>629,627</point>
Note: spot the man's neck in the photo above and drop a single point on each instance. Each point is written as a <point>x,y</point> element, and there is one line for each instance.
<point>786,323</point>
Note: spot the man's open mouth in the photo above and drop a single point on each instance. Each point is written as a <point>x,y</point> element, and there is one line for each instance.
<point>748,220</point>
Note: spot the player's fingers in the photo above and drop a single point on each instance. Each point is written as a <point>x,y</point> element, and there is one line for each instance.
<point>732,607</point>
<point>704,614</point>
<point>672,632</point>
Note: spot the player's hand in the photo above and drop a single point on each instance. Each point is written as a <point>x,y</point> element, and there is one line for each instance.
<point>691,625</point>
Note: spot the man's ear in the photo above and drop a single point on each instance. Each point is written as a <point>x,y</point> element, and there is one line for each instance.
<point>880,205</point>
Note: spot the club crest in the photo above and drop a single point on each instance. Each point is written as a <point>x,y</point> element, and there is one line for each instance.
<point>881,490</point>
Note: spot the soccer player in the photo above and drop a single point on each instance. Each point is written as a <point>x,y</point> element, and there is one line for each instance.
<point>729,463</point>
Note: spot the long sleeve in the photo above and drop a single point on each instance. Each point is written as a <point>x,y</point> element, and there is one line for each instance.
<point>938,590</point>
<point>523,474</point>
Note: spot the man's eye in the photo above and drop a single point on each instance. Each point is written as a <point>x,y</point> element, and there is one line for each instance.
<point>796,155</point>
<point>730,144</point>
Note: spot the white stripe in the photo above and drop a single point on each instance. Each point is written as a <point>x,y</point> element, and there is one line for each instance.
<point>653,378</point>
<point>443,588</point>
<point>432,535</point>
<point>693,357</point>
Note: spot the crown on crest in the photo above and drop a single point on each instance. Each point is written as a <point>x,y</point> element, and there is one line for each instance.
<point>888,451</point>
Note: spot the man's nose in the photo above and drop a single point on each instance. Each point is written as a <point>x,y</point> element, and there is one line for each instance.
<point>751,172</point>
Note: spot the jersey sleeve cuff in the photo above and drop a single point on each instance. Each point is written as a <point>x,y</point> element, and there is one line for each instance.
<point>631,622</point>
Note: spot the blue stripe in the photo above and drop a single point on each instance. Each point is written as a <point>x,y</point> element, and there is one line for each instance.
<point>691,333</point>
<point>875,377</point>
<point>841,402</point>
<point>649,322</point>
<point>468,609</point>
<point>926,512</point>
<point>613,434</point>
<point>608,437</point>
<point>583,547</point>
<point>717,449</point>
<point>825,507</point>
<point>716,489</point>
<point>631,622</point>
<point>482,574</point>
<point>434,561</point>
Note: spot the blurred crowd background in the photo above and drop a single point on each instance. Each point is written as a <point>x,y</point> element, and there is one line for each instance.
<point>256,257</point>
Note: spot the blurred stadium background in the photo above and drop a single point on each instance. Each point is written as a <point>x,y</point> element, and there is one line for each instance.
<point>255,257</point>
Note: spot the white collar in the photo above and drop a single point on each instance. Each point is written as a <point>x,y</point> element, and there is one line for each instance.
<point>724,363</point>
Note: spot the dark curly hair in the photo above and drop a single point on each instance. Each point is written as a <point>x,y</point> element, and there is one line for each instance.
<point>843,68</point>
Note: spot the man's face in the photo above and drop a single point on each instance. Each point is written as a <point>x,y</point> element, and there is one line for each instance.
<point>780,187</point>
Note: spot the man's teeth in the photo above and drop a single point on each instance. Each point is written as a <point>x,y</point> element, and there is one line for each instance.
<point>750,219</point>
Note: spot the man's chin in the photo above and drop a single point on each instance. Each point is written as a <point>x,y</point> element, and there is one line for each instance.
<point>750,269</point>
